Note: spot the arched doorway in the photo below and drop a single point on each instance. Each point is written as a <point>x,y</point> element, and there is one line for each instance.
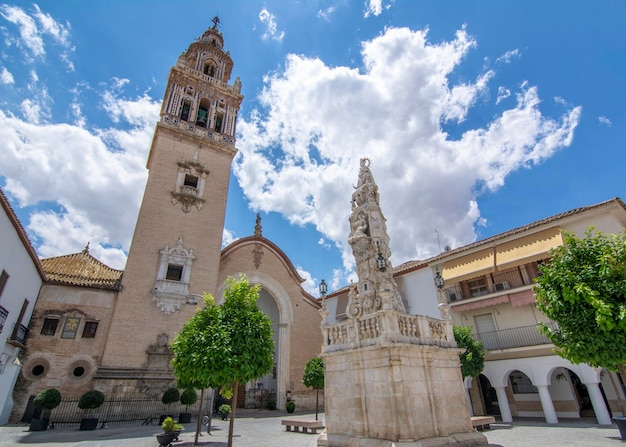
<point>490,398</point>
<point>264,390</point>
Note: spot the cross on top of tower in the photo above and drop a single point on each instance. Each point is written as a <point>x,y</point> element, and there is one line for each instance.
<point>216,22</point>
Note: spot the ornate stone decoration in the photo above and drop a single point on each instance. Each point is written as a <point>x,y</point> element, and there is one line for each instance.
<point>170,293</point>
<point>190,184</point>
<point>376,289</point>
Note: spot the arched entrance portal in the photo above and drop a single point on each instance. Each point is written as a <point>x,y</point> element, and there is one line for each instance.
<point>264,389</point>
<point>490,397</point>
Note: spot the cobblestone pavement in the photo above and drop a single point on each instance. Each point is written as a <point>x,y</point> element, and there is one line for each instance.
<point>263,429</point>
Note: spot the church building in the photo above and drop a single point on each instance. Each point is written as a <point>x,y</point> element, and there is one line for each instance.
<point>101,328</point>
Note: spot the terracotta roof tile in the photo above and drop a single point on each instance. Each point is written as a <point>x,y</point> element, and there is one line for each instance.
<point>81,269</point>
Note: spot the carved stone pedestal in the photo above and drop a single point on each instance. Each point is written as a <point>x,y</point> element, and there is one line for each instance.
<point>397,394</point>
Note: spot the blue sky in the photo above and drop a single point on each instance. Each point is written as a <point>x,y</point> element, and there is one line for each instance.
<point>478,117</point>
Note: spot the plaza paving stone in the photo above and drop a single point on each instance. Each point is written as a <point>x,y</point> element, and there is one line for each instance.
<point>263,429</point>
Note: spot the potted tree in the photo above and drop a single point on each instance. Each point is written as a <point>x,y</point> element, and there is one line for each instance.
<point>188,397</point>
<point>170,396</point>
<point>290,406</point>
<point>90,401</point>
<point>224,411</point>
<point>45,401</point>
<point>171,430</point>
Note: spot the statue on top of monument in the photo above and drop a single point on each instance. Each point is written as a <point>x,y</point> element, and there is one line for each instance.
<point>376,289</point>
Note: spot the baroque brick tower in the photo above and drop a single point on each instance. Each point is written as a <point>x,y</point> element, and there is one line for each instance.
<point>175,251</point>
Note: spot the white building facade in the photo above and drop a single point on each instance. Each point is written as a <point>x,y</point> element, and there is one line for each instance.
<point>21,278</point>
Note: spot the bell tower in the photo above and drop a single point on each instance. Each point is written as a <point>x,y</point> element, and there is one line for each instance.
<point>175,252</point>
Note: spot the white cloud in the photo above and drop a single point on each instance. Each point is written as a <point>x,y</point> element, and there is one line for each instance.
<point>271,28</point>
<point>33,28</point>
<point>323,243</point>
<point>6,77</point>
<point>508,56</point>
<point>228,237</point>
<point>91,182</point>
<point>604,120</point>
<point>326,13</point>
<point>375,7</point>
<point>299,154</point>
<point>503,93</point>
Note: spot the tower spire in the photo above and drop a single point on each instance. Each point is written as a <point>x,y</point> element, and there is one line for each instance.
<point>376,289</point>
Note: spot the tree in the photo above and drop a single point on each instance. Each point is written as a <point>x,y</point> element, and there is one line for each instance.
<point>313,377</point>
<point>583,289</point>
<point>473,356</point>
<point>223,346</point>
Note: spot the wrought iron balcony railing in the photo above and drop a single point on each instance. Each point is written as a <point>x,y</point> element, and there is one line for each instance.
<point>513,338</point>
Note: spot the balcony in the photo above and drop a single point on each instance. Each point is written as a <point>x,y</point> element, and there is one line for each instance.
<point>3,317</point>
<point>497,282</point>
<point>513,338</point>
<point>18,338</point>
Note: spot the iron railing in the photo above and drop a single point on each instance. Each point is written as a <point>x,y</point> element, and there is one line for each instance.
<point>121,412</point>
<point>3,317</point>
<point>513,338</point>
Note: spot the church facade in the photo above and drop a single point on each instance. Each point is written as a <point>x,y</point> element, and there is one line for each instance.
<point>100,328</point>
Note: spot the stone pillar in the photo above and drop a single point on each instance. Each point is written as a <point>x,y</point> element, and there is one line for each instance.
<point>546,403</point>
<point>599,407</point>
<point>468,384</point>
<point>503,402</point>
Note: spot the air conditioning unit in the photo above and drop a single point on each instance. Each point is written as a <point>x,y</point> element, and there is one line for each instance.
<point>500,286</point>
<point>453,296</point>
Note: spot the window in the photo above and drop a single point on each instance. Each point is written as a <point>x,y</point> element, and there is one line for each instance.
<point>4,276</point>
<point>210,69</point>
<point>38,370</point>
<point>49,326</point>
<point>219,118</point>
<point>78,371</point>
<point>174,272</point>
<point>477,287</point>
<point>191,180</point>
<point>184,113</point>
<point>89,331</point>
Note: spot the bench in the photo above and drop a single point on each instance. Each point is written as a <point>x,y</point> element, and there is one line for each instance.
<point>305,425</point>
<point>482,422</point>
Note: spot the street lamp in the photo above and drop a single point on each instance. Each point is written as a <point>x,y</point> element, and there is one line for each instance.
<point>323,288</point>
<point>191,299</point>
<point>439,282</point>
<point>381,262</point>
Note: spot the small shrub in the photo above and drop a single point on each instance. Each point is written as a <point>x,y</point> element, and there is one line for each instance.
<point>169,425</point>
<point>271,404</point>
<point>47,399</point>
<point>224,409</point>
<point>188,397</point>
<point>290,406</point>
<point>170,396</point>
<point>91,400</point>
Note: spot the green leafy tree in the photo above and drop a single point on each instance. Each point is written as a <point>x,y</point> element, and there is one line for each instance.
<point>313,377</point>
<point>583,289</point>
<point>223,346</point>
<point>473,356</point>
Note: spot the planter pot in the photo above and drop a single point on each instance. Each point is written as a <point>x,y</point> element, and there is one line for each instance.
<point>184,418</point>
<point>224,416</point>
<point>39,424</point>
<point>290,410</point>
<point>621,424</point>
<point>88,423</point>
<point>166,439</point>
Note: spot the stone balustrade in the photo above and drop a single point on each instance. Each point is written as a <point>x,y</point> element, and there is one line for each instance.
<point>387,326</point>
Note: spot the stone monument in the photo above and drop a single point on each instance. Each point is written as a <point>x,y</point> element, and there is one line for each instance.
<point>391,378</point>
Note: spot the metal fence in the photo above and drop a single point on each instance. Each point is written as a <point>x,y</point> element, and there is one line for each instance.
<point>122,412</point>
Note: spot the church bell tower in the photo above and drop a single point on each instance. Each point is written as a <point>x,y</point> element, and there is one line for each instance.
<point>175,252</point>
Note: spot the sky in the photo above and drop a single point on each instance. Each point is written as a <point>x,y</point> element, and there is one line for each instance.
<point>477,117</point>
